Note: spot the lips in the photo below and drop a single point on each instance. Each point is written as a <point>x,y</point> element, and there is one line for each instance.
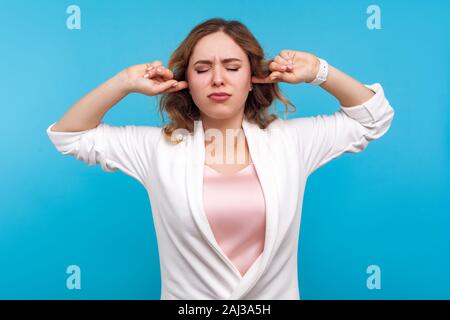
<point>219,94</point>
<point>219,97</point>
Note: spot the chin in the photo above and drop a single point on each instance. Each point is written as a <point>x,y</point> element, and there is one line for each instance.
<point>221,116</point>
<point>220,113</point>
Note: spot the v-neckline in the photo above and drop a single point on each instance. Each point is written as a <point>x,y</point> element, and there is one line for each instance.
<point>263,161</point>
<point>228,174</point>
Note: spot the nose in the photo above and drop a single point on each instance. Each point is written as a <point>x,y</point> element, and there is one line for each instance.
<point>217,77</point>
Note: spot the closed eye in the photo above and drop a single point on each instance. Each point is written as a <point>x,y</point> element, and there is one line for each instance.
<point>203,71</point>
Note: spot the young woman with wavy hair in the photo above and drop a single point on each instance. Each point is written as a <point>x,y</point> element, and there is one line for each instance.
<point>225,177</point>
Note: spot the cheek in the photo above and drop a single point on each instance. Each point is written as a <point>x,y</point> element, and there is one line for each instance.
<point>244,79</point>
<point>197,90</point>
<point>197,82</point>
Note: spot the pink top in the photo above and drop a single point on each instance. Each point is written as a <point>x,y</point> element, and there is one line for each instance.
<point>235,208</point>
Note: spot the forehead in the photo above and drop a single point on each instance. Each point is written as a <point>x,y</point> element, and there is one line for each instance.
<point>217,46</point>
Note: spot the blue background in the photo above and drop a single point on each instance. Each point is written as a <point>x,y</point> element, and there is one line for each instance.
<point>386,206</point>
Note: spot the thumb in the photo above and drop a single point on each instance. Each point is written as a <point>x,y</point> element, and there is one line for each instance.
<point>276,74</point>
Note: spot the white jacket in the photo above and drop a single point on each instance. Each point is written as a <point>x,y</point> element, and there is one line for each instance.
<point>193,266</point>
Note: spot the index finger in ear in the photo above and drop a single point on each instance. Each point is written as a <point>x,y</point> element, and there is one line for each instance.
<point>182,85</point>
<point>259,80</point>
<point>179,86</point>
<point>263,80</point>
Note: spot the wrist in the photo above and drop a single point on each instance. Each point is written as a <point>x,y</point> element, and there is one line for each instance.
<point>314,70</point>
<point>123,82</point>
<point>320,71</point>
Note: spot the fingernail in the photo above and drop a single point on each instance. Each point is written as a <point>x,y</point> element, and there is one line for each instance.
<point>273,77</point>
<point>175,84</point>
<point>283,67</point>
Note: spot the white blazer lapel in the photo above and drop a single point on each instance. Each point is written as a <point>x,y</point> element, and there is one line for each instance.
<point>260,153</point>
<point>194,186</point>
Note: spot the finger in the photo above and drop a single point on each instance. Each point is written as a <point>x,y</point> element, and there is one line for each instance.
<point>271,78</point>
<point>156,80</point>
<point>280,60</point>
<point>155,75</point>
<point>162,72</point>
<point>165,73</point>
<point>163,86</point>
<point>261,80</point>
<point>284,62</point>
<point>151,74</point>
<point>275,66</point>
<point>275,76</point>
<point>179,86</point>
<point>287,56</point>
<point>154,63</point>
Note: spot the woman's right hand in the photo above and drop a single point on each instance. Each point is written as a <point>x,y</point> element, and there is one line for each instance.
<point>151,79</point>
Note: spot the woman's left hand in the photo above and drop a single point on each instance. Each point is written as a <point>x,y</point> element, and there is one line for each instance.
<point>292,67</point>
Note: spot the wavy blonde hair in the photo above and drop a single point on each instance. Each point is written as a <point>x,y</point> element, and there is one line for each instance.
<point>179,105</point>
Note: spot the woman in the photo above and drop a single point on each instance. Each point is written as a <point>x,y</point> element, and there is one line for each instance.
<point>226,206</point>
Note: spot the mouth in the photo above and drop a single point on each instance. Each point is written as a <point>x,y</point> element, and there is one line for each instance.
<point>220,96</point>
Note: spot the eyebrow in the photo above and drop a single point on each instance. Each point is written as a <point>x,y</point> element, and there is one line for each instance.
<point>223,61</point>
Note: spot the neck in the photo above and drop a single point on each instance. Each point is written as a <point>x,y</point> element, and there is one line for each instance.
<point>234,122</point>
<point>235,139</point>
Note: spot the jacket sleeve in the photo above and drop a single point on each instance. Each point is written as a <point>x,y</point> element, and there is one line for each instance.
<point>126,148</point>
<point>323,138</point>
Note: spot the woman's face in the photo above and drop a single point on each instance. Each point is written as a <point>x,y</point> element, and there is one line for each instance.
<point>208,73</point>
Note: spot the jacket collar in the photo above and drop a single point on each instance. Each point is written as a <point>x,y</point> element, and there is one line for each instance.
<point>264,163</point>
